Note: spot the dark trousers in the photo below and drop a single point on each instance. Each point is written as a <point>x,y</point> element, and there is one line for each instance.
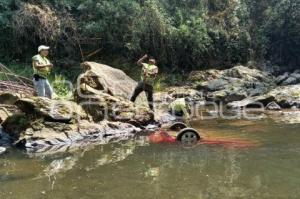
<point>144,87</point>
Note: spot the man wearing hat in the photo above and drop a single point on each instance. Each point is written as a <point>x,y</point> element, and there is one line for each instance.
<point>148,76</point>
<point>42,68</point>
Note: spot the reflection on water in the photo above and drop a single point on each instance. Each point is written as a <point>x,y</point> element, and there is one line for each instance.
<point>136,169</point>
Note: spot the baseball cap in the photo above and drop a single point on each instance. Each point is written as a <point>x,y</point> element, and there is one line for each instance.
<point>42,47</point>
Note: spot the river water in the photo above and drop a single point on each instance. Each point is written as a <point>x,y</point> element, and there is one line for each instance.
<point>266,167</point>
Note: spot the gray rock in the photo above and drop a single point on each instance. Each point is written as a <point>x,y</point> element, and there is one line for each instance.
<point>111,80</point>
<point>235,96</point>
<point>217,96</point>
<point>2,150</point>
<point>284,96</point>
<point>236,84</point>
<point>204,75</point>
<point>289,81</point>
<point>214,85</point>
<point>294,108</point>
<point>282,78</point>
<point>296,75</point>
<point>297,71</point>
<point>243,72</point>
<point>218,84</point>
<point>273,106</point>
<point>251,102</point>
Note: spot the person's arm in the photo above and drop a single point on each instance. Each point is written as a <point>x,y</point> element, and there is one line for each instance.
<point>37,65</point>
<point>140,61</point>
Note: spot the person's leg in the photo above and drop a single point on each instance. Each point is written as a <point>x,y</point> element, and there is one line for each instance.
<point>39,87</point>
<point>138,89</point>
<point>149,91</point>
<point>48,89</point>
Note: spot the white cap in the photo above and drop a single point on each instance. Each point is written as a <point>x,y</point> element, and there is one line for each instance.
<point>42,47</point>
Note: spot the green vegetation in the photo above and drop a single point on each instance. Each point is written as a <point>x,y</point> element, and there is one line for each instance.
<point>182,35</point>
<point>61,87</point>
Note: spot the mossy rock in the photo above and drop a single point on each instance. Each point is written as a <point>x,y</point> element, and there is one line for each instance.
<point>16,124</point>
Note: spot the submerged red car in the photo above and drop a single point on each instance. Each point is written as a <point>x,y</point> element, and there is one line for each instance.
<point>180,133</point>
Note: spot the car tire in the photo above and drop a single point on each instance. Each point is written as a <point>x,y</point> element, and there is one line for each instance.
<point>188,136</point>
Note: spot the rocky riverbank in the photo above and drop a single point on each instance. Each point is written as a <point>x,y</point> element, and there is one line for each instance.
<point>101,110</point>
<point>241,87</point>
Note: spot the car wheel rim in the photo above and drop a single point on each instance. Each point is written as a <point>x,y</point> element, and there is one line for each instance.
<point>189,137</point>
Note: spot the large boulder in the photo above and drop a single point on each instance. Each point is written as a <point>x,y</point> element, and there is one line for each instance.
<point>103,93</point>
<point>105,78</point>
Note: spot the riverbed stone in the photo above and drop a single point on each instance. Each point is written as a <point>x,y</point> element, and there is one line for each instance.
<point>2,150</point>
<point>273,106</point>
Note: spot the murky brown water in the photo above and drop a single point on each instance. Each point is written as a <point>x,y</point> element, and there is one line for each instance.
<point>136,169</point>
